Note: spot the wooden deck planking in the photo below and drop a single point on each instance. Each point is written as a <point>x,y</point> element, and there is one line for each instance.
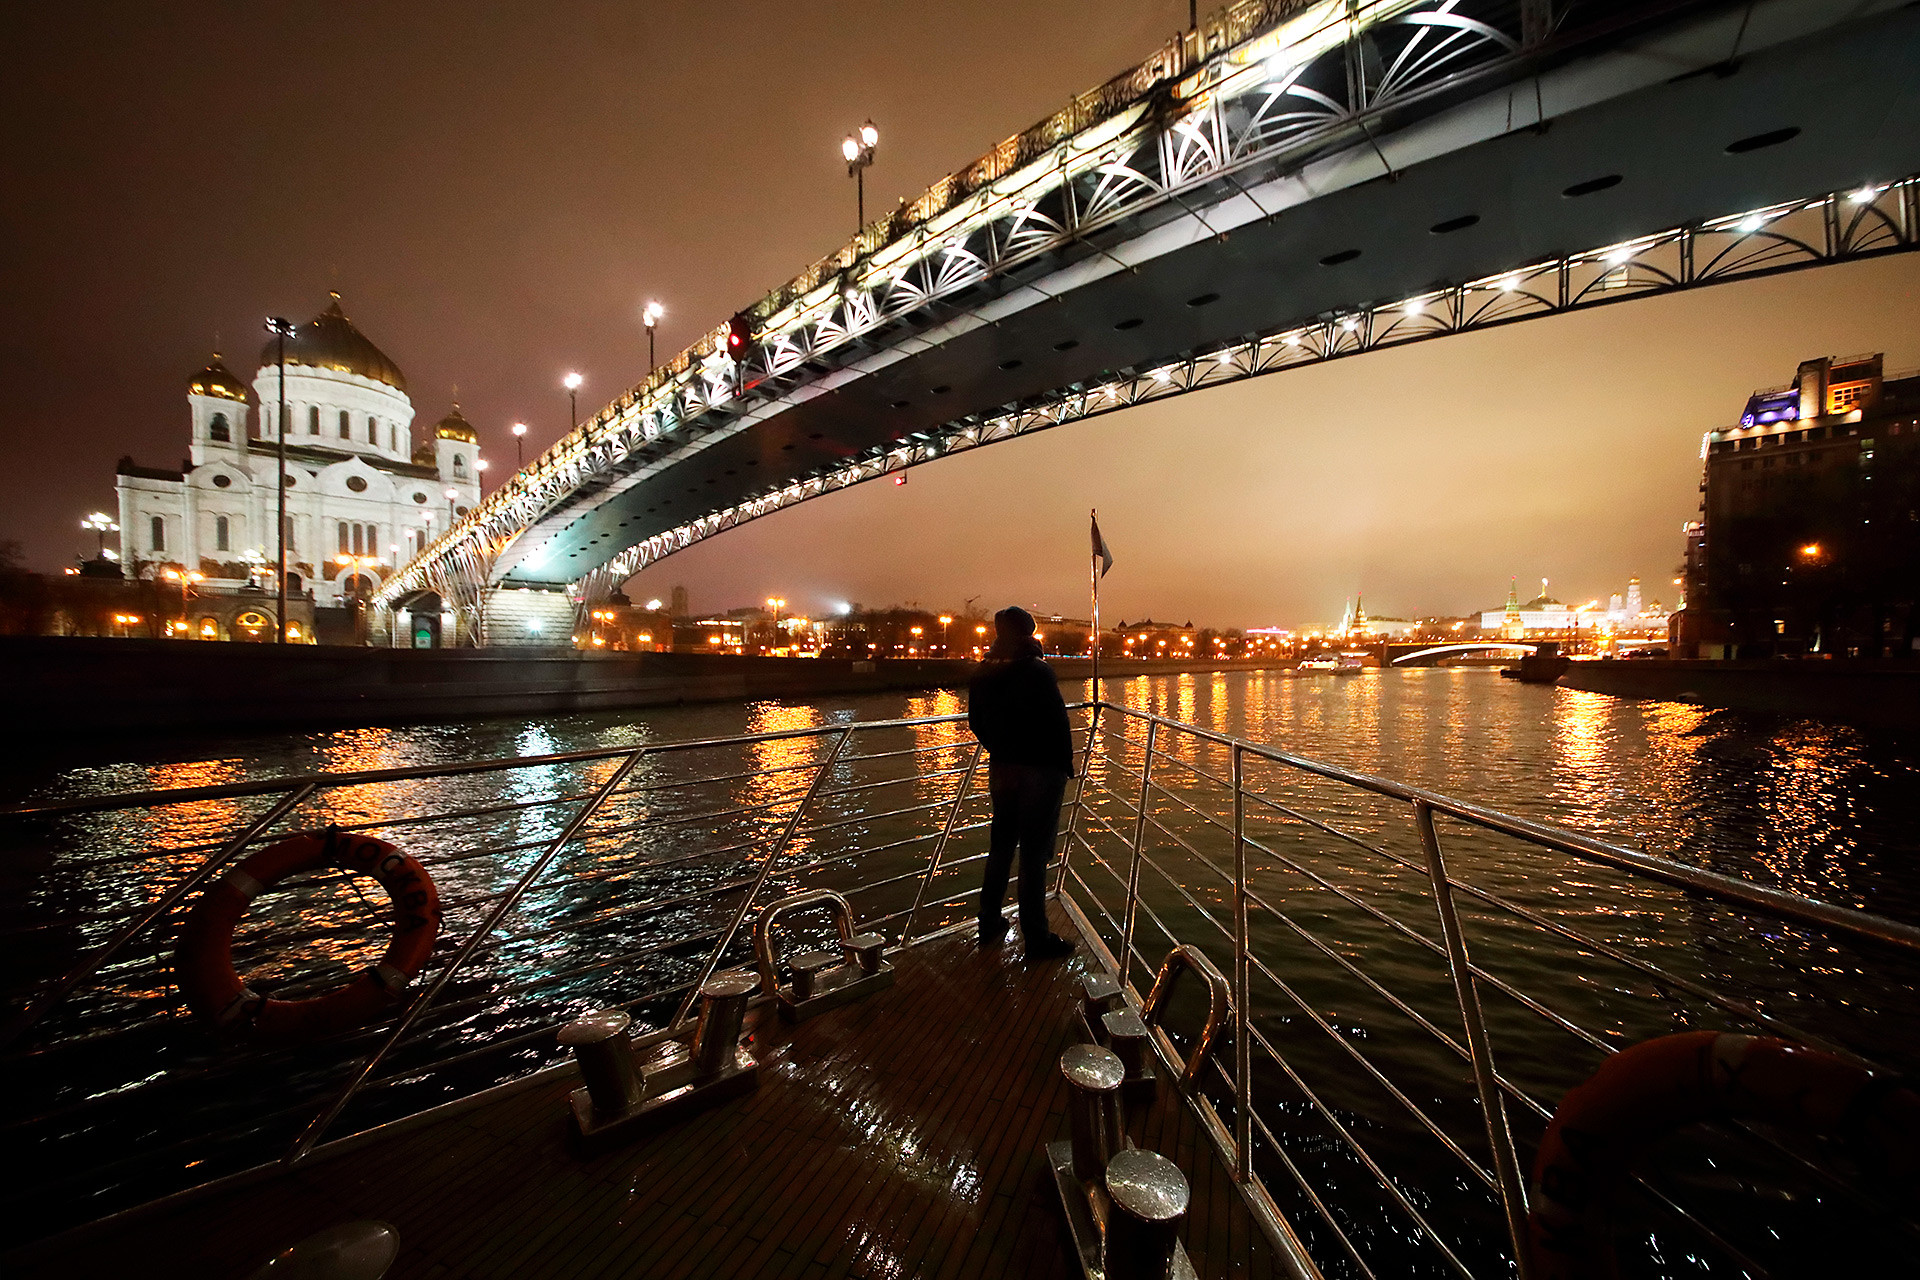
<point>844,1163</point>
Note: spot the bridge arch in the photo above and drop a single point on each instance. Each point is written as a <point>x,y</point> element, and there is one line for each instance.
<point>1133,213</point>
<point>1518,646</point>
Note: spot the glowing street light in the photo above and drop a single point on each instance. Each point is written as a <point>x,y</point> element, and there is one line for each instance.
<point>519,446</point>
<point>185,579</point>
<point>650,316</point>
<point>858,150</point>
<point>945,622</point>
<point>453,495</point>
<point>572,383</point>
<point>102,524</point>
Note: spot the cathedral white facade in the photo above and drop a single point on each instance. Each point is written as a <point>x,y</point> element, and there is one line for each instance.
<point>366,491</point>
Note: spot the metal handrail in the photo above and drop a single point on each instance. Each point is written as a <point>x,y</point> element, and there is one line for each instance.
<point>1780,902</point>
<point>1121,819</point>
<point>766,870</point>
<point>311,1135</point>
<point>1490,1087</point>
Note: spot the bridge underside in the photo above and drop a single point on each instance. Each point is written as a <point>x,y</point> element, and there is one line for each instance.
<point>1831,111</point>
<point>1448,170</point>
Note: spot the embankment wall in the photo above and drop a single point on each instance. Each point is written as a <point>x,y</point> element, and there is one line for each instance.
<point>1848,691</point>
<point>77,686</point>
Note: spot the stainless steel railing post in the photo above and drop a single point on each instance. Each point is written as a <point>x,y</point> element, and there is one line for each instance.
<point>1493,1110</point>
<point>1079,793</point>
<point>200,875</point>
<point>1242,966</point>
<point>759,882</point>
<point>940,845</point>
<point>1133,868</point>
<point>325,1119</point>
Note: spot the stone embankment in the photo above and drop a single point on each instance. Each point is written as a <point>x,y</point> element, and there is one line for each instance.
<point>71,687</point>
<point>1848,691</point>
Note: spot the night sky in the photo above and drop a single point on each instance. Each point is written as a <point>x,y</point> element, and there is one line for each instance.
<point>496,189</point>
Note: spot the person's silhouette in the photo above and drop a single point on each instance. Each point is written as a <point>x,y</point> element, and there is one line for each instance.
<point>1014,707</point>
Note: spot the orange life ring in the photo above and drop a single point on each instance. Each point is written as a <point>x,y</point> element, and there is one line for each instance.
<point>203,956</point>
<point>1662,1084</point>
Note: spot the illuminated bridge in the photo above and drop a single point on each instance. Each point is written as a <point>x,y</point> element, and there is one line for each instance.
<point>1292,182</point>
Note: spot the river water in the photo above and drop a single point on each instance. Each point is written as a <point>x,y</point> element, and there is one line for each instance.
<point>1824,811</point>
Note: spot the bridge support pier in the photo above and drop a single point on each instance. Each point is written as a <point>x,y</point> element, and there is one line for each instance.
<point>528,616</point>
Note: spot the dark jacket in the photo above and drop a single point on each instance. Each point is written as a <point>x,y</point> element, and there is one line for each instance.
<point>1014,707</point>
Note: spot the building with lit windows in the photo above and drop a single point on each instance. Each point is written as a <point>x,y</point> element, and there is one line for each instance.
<point>366,490</point>
<point>1809,536</point>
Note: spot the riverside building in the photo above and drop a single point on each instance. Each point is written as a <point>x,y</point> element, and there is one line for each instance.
<point>366,489</point>
<point>1809,537</point>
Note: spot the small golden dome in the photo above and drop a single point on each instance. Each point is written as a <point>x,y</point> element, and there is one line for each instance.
<point>329,341</point>
<point>455,427</point>
<point>218,380</point>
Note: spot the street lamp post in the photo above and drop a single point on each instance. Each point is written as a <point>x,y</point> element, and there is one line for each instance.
<point>519,446</point>
<point>185,578</point>
<point>858,150</point>
<point>572,382</point>
<point>946,620</point>
<point>452,496</point>
<point>650,316</point>
<point>776,604</point>
<point>354,565</point>
<point>102,524</point>
<point>282,329</point>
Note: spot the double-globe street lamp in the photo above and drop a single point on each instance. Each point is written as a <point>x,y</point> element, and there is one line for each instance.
<point>185,578</point>
<point>650,316</point>
<point>858,150</point>
<point>102,524</point>
<point>352,567</point>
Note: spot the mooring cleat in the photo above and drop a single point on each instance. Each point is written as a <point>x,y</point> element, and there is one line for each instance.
<point>1126,1034</point>
<point>1099,992</point>
<point>623,1099</point>
<point>822,980</point>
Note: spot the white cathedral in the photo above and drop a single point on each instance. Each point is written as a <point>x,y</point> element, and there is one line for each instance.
<point>362,496</point>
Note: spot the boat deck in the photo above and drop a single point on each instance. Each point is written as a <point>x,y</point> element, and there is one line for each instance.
<point>898,1136</point>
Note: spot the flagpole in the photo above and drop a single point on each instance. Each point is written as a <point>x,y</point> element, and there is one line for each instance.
<point>1093,574</point>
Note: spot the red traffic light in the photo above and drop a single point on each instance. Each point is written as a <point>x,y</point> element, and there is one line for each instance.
<point>739,336</point>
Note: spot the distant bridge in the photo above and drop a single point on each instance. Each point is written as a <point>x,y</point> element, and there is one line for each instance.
<point>1415,654</point>
<point>1216,214</point>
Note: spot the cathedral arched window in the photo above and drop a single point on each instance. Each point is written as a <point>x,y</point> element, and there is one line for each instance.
<point>459,464</point>
<point>373,430</point>
<point>313,420</point>
<point>222,534</point>
<point>393,438</point>
<point>359,539</point>
<point>343,537</point>
<point>217,428</point>
<point>159,532</point>
<point>346,426</point>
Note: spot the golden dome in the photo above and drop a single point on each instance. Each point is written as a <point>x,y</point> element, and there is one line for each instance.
<point>329,341</point>
<point>455,427</point>
<point>218,380</point>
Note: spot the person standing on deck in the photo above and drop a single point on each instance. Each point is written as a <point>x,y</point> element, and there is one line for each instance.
<point>1015,709</point>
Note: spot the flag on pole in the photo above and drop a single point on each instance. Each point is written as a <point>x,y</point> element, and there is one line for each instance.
<point>1100,551</point>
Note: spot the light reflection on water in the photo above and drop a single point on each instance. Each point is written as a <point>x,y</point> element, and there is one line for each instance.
<point>1825,811</point>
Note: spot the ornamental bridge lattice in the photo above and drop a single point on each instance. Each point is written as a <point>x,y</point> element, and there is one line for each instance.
<point>1291,183</point>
